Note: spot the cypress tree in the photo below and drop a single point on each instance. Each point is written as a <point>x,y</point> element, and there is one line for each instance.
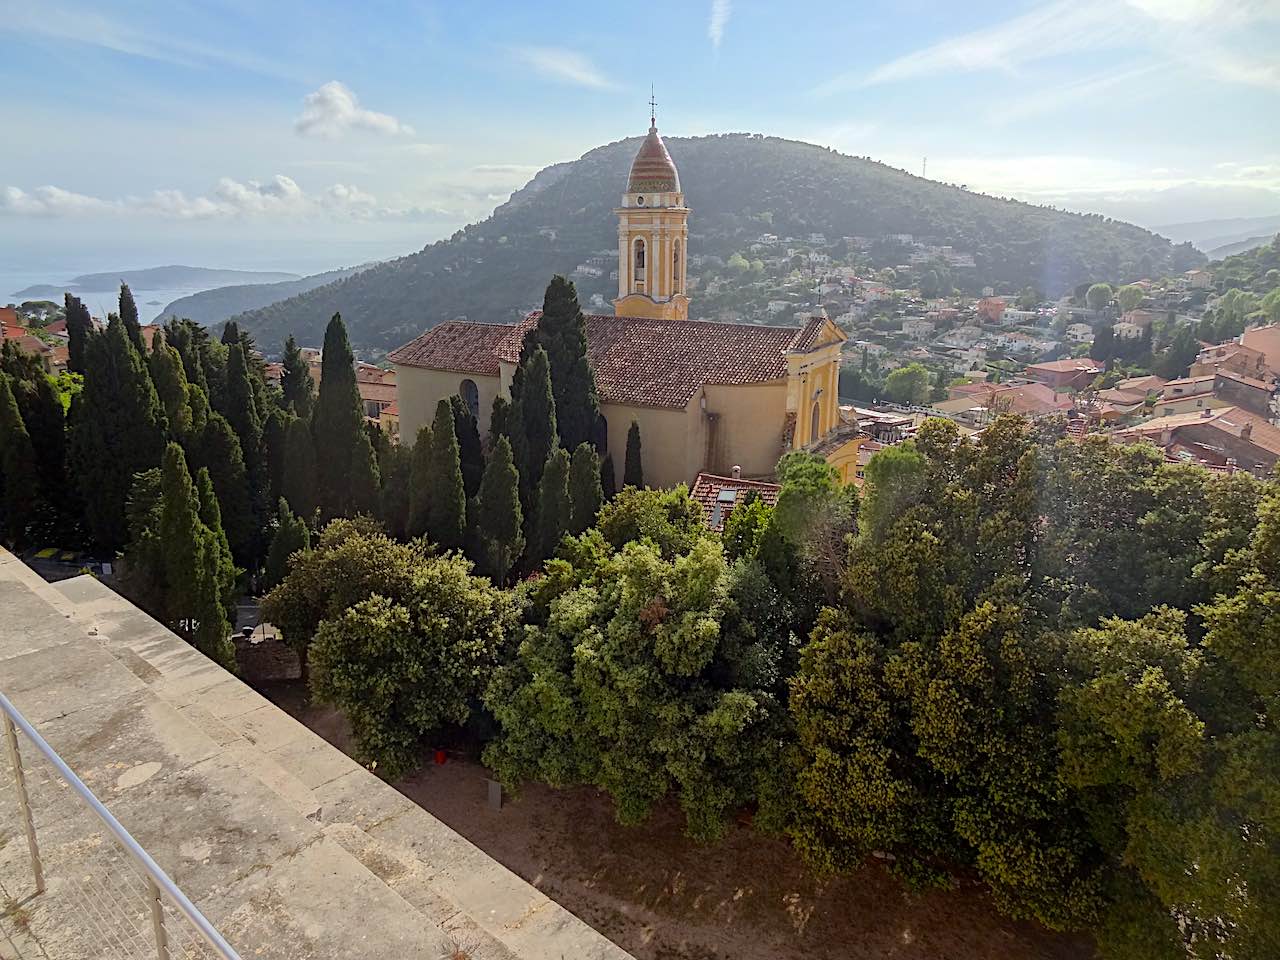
<point>42,414</point>
<point>274,428</point>
<point>216,604</point>
<point>182,542</point>
<point>218,451</point>
<point>298,484</point>
<point>608,478</point>
<point>291,535</point>
<point>562,332</point>
<point>499,420</point>
<point>632,469</point>
<point>346,471</point>
<point>532,422</point>
<point>243,413</point>
<point>129,316</point>
<point>170,380</point>
<point>419,484</point>
<point>395,464</point>
<point>117,429</point>
<point>191,341</point>
<point>554,507</point>
<point>295,382</point>
<point>79,327</point>
<point>500,521</point>
<point>585,494</point>
<point>446,497</point>
<point>20,497</point>
<point>230,333</point>
<point>470,452</point>
<point>143,558</point>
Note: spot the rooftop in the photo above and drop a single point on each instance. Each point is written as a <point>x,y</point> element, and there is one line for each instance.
<point>718,496</point>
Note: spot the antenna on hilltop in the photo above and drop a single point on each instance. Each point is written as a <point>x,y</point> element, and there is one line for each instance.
<point>653,108</point>
<point>924,168</point>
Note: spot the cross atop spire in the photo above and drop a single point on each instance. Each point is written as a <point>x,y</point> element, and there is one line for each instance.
<point>653,108</point>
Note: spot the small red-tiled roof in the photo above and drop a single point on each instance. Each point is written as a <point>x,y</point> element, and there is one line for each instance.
<point>57,326</point>
<point>9,316</point>
<point>707,488</point>
<point>456,345</point>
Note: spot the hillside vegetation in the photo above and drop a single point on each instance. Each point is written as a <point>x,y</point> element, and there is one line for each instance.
<point>739,186</point>
<point>213,306</point>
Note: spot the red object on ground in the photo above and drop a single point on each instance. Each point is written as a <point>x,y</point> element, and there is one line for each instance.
<point>440,758</point>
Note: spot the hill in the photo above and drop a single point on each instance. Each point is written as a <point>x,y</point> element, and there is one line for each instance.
<point>739,186</point>
<point>214,306</point>
<point>155,278</point>
<point>1210,235</point>
<point>1256,270</point>
<point>1240,246</point>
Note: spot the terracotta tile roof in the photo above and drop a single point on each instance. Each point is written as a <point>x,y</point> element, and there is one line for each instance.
<point>808,335</point>
<point>378,392</point>
<point>456,345</point>
<point>708,488</point>
<point>1230,420</point>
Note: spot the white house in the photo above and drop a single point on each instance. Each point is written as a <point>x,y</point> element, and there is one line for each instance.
<point>1127,331</point>
<point>917,329</point>
<point>1080,333</point>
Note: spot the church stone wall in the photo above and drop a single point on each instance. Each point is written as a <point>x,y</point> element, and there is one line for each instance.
<point>749,427</point>
<point>419,391</point>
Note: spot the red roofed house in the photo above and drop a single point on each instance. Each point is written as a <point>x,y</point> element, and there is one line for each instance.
<point>707,396</point>
<point>719,495</point>
<point>1065,374</point>
<point>1228,436</point>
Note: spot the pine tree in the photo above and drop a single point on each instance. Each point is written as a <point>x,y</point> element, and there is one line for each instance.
<point>20,498</point>
<point>299,483</point>
<point>170,380</point>
<point>217,597</point>
<point>562,332</point>
<point>218,451</point>
<point>608,478</point>
<point>117,429</point>
<point>295,382</point>
<point>446,497</point>
<point>554,507</point>
<point>346,471</point>
<point>532,422</point>
<point>129,316</point>
<point>632,469</point>
<point>79,327</point>
<point>291,535</point>
<point>585,494</point>
<point>500,521</point>
<point>470,452</point>
<point>419,484</point>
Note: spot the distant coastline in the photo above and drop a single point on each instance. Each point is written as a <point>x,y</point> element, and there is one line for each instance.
<point>153,278</point>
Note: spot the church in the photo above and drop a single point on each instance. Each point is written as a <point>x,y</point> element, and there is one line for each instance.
<point>708,396</point>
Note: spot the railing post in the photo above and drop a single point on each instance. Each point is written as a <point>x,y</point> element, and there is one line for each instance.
<point>24,803</point>
<point>157,920</point>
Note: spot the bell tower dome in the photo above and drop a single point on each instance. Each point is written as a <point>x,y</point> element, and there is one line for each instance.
<point>653,234</point>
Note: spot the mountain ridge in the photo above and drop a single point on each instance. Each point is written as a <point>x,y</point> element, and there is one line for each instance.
<point>210,307</point>
<point>738,186</point>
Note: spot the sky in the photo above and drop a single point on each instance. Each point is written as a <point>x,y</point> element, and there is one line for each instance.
<point>302,136</point>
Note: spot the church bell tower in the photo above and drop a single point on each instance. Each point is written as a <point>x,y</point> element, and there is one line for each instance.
<point>653,236</point>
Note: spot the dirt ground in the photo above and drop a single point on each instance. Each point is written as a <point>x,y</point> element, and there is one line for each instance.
<point>661,896</point>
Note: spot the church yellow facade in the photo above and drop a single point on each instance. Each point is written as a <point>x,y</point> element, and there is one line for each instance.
<point>707,396</point>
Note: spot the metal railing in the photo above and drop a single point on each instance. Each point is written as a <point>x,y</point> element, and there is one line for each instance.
<point>113,925</point>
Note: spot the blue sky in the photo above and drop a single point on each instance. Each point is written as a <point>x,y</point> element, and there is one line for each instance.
<point>324,133</point>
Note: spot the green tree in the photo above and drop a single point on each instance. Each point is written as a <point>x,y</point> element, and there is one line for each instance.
<point>218,450</point>
<point>668,518</point>
<point>419,483</point>
<point>299,482</point>
<point>608,478</point>
<point>470,453</point>
<point>585,494</point>
<point>554,507</point>
<point>633,468</point>
<point>1098,296</point>
<point>219,567</point>
<point>500,520</point>
<point>562,331</point>
<point>291,535</point>
<point>117,429</point>
<point>170,380</point>
<point>20,495</point>
<point>295,381</point>
<point>1130,296</point>
<point>1029,299</point>
<point>446,500</point>
<point>908,385</point>
<point>346,469</point>
<point>532,421</point>
<point>275,428</point>
<point>129,316</point>
<point>1176,359</point>
<point>401,667</point>
<point>79,328</point>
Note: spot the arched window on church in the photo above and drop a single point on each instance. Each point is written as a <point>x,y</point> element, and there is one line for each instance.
<point>638,272</point>
<point>814,420</point>
<point>470,395</point>
<point>675,267</point>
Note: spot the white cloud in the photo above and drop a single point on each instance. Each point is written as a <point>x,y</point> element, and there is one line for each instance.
<point>1193,32</point>
<point>279,197</point>
<point>568,66</point>
<point>1054,97</point>
<point>721,10</point>
<point>333,110</point>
